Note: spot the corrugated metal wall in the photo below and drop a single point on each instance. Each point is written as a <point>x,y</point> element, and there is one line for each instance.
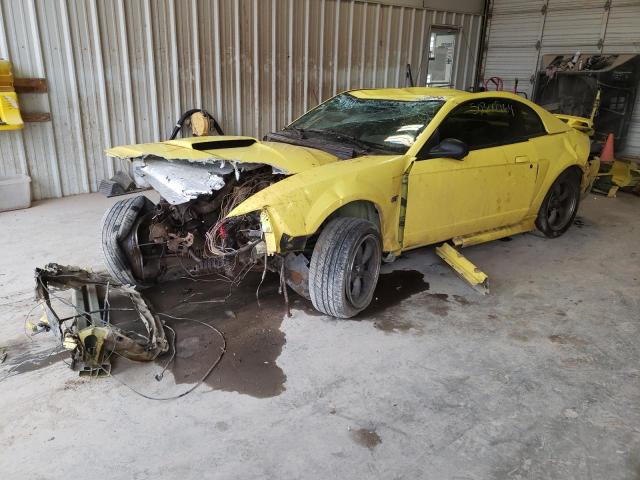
<point>521,31</point>
<point>122,71</point>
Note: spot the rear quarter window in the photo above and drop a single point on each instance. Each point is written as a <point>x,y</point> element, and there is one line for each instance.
<point>491,122</point>
<point>532,125</point>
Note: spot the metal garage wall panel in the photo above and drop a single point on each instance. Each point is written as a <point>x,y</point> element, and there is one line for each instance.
<point>515,30</point>
<point>60,70</point>
<point>576,6</point>
<point>296,34</point>
<point>470,33</point>
<point>505,7</point>
<point>142,67</point>
<point>90,81</point>
<point>341,55</point>
<point>266,74</point>
<point>188,52</point>
<point>165,55</point>
<point>369,45</point>
<point>580,27</point>
<point>210,55</point>
<point>243,46</point>
<point>230,88</point>
<point>512,46</point>
<point>117,76</point>
<point>512,63</point>
<point>122,71</point>
<point>623,29</point>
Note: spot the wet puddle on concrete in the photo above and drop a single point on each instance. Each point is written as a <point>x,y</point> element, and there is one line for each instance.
<point>399,285</point>
<point>24,358</point>
<point>393,288</point>
<point>252,333</point>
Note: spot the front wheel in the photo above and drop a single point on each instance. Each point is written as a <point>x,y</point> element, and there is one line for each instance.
<point>559,208</point>
<point>119,239</point>
<point>344,267</point>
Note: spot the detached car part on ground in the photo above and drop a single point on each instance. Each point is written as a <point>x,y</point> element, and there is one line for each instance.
<point>363,177</point>
<point>89,332</point>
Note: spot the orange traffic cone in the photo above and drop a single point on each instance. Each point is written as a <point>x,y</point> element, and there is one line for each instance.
<point>607,152</point>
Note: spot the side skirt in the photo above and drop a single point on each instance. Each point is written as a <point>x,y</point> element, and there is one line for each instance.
<point>494,234</point>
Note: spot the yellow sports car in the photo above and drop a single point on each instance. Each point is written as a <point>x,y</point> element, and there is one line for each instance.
<point>357,180</point>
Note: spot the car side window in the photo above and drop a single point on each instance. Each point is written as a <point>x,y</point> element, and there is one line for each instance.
<point>490,122</point>
<point>530,122</point>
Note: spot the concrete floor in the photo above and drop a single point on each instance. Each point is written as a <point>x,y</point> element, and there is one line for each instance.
<point>539,380</point>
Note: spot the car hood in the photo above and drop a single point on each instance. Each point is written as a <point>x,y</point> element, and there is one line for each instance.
<point>284,158</point>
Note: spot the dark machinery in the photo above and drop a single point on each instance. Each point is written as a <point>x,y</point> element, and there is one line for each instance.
<point>569,84</point>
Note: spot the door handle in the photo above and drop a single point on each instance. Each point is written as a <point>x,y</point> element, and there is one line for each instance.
<point>523,159</point>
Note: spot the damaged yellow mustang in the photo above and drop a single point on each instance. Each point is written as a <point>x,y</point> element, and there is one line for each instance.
<point>359,179</point>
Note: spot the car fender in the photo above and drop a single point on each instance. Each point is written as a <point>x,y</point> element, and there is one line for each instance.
<point>571,150</point>
<point>298,205</point>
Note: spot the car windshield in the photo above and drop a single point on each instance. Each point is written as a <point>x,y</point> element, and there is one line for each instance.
<point>373,124</point>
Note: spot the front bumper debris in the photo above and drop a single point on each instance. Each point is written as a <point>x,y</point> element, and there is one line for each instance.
<point>89,332</point>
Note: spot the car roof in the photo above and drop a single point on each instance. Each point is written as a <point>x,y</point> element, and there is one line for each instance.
<point>407,94</point>
<point>427,93</point>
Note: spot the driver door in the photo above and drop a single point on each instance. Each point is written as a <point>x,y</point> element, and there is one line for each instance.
<point>491,187</point>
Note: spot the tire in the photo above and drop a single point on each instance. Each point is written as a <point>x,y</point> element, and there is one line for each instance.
<point>347,254</point>
<point>560,205</point>
<point>116,226</point>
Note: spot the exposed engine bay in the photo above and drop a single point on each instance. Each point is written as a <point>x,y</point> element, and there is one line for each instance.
<point>188,232</point>
<point>196,232</point>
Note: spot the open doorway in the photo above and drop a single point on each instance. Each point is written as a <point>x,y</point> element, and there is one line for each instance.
<point>442,51</point>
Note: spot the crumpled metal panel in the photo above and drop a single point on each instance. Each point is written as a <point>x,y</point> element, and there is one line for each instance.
<point>180,182</point>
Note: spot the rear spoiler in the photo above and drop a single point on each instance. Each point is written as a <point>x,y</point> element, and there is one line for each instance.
<point>584,125</point>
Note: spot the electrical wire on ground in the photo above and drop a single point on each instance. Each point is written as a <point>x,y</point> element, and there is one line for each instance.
<point>199,382</point>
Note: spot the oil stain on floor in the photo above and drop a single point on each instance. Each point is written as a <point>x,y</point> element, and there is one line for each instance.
<point>399,285</point>
<point>252,333</point>
<point>393,288</point>
<point>366,437</point>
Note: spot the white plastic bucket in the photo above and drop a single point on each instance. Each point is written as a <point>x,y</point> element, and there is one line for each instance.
<point>15,192</point>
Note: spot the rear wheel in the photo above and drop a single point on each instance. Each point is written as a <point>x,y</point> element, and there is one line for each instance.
<point>344,267</point>
<point>118,239</point>
<point>559,208</point>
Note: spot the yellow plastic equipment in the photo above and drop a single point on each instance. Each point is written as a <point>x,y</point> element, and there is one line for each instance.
<point>10,118</point>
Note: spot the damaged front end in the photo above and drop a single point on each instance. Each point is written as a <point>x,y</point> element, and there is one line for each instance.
<point>190,231</point>
<point>190,225</point>
<point>87,330</point>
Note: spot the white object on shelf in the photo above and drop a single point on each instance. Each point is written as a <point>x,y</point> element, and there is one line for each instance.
<point>15,192</point>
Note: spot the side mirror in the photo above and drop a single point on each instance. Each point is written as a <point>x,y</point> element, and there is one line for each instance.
<point>449,148</point>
